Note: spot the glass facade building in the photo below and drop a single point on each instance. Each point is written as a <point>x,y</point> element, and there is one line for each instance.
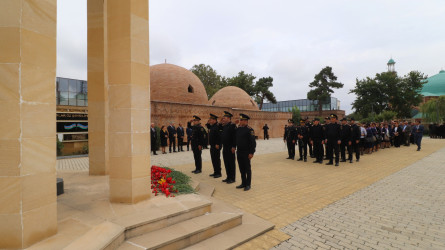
<point>71,92</point>
<point>304,105</point>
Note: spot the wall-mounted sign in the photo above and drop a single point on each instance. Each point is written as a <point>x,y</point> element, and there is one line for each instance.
<point>70,127</point>
<point>72,116</point>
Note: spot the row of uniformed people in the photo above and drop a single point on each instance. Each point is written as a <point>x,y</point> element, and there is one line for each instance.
<point>229,138</point>
<point>337,138</point>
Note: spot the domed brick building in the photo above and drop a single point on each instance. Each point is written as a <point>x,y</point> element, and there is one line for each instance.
<point>233,97</point>
<point>176,94</point>
<point>171,83</point>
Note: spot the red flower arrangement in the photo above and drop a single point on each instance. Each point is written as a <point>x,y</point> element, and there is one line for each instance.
<point>161,182</point>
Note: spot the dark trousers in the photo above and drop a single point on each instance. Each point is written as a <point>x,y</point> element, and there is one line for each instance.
<point>311,152</point>
<point>215,154</point>
<point>153,147</point>
<point>302,148</point>
<point>266,135</point>
<point>331,148</point>
<point>418,140</point>
<point>343,147</point>
<point>354,149</point>
<point>188,142</point>
<point>244,168</point>
<point>229,163</point>
<point>198,160</point>
<point>318,150</point>
<point>180,142</point>
<point>172,143</point>
<point>291,149</point>
<point>397,140</point>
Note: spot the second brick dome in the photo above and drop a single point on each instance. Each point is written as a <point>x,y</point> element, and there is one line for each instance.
<point>233,97</point>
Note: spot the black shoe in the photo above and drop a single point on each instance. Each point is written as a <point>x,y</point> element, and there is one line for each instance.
<point>305,160</point>
<point>312,156</point>
<point>230,181</point>
<point>329,163</point>
<point>174,151</point>
<point>212,174</point>
<point>315,162</point>
<point>343,160</point>
<point>350,161</point>
<point>217,176</point>
<point>289,158</point>
<point>197,172</point>
<point>418,149</point>
<point>300,159</point>
<point>194,171</point>
<point>155,154</point>
<point>225,180</point>
<point>321,162</point>
<point>357,160</point>
<point>240,186</point>
<point>336,164</point>
<point>246,188</point>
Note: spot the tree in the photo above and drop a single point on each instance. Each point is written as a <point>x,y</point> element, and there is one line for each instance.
<point>323,84</point>
<point>434,110</point>
<point>262,91</point>
<point>388,92</point>
<point>243,81</point>
<point>296,116</point>
<point>210,78</point>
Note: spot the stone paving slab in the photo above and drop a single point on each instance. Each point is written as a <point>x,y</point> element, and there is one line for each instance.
<point>405,210</point>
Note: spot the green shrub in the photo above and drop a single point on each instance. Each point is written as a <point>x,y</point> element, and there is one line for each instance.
<point>59,147</point>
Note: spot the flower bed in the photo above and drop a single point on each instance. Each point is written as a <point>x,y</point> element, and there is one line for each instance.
<point>169,182</point>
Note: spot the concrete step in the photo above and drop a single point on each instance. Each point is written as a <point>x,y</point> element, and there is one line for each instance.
<point>186,233</point>
<point>160,214</point>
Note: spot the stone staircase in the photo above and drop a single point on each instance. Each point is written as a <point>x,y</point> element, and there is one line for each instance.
<point>192,222</point>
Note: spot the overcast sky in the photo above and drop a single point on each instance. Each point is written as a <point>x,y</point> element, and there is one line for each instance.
<point>290,40</point>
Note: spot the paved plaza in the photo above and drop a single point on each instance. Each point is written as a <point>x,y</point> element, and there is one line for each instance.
<point>390,199</point>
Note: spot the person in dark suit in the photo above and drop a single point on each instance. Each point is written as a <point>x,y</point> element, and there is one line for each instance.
<point>355,140</point>
<point>303,139</point>
<point>346,140</point>
<point>180,135</point>
<point>245,149</point>
<point>290,137</point>
<point>397,134</point>
<point>266,132</point>
<point>189,134</point>
<point>154,138</point>
<point>418,134</point>
<point>163,134</point>
<point>316,136</point>
<point>215,131</point>
<point>171,137</point>
<point>228,139</point>
<point>197,143</point>
<point>333,140</point>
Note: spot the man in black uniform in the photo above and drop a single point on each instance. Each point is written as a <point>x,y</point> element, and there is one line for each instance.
<point>266,132</point>
<point>215,144</point>
<point>325,148</point>
<point>303,138</point>
<point>290,136</point>
<point>197,143</point>
<point>171,137</point>
<point>333,140</point>
<point>345,137</point>
<point>180,135</point>
<point>317,140</point>
<point>228,139</point>
<point>309,126</point>
<point>245,144</point>
<point>355,140</point>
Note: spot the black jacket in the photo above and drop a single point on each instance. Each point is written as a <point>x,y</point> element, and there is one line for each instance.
<point>245,140</point>
<point>228,136</point>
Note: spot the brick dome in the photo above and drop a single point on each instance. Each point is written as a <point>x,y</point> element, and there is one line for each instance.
<point>233,97</point>
<point>171,83</point>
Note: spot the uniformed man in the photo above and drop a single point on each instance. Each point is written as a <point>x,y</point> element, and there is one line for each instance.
<point>355,140</point>
<point>245,149</point>
<point>346,140</point>
<point>333,140</point>
<point>215,144</point>
<point>309,126</point>
<point>325,148</point>
<point>290,136</point>
<point>228,138</point>
<point>303,138</point>
<point>317,137</point>
<point>197,143</point>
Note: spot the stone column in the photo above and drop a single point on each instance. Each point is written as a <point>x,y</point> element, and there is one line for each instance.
<point>28,201</point>
<point>129,100</point>
<point>97,90</point>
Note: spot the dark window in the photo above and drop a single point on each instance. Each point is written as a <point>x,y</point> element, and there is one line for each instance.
<point>190,89</point>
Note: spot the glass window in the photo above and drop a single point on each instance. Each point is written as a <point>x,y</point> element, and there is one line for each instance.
<point>72,86</point>
<point>63,84</point>
<point>63,98</point>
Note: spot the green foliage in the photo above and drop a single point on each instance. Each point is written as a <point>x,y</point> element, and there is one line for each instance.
<point>296,116</point>
<point>59,147</point>
<point>323,85</point>
<point>388,92</point>
<point>182,182</point>
<point>262,91</point>
<point>243,81</point>
<point>85,149</point>
<point>210,78</point>
<point>386,116</point>
<point>434,110</point>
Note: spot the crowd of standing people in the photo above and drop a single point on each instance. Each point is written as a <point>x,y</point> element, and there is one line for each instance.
<point>236,140</point>
<point>341,141</point>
